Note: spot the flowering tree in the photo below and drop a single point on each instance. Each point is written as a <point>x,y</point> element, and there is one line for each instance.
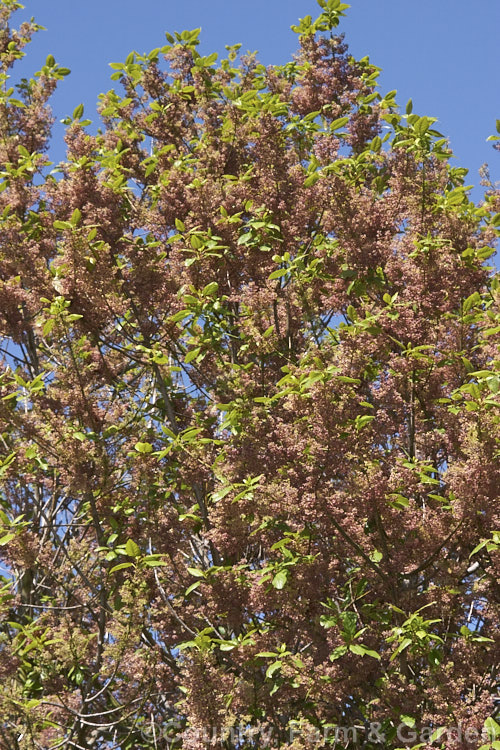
<point>249,410</point>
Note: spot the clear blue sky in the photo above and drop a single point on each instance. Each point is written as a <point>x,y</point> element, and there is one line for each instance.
<point>444,54</point>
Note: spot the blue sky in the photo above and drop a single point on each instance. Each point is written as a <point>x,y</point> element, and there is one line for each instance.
<point>444,54</point>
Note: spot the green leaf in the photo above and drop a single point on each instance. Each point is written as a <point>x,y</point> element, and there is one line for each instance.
<point>327,621</point>
<point>78,112</point>
<point>491,331</point>
<point>278,273</point>
<point>180,315</point>
<point>481,639</point>
<point>492,727</point>
<point>437,734</point>
<point>363,420</point>
<point>338,123</point>
<point>154,563</point>
<point>402,646</point>
<point>338,652</point>
<point>192,588</point>
<point>210,289</point>
<point>493,383</point>
<point>192,354</point>
<point>349,623</point>
<point>196,572</point>
<point>48,326</point>
<point>311,180</point>
<point>6,462</point>
<point>62,225</point>
<point>131,549</point>
<point>397,501</point>
<point>468,303</point>
<point>143,447</point>
<point>6,539</point>
<point>121,566</point>
<point>280,579</point>
<point>272,668</point>
<point>360,650</point>
<point>422,125</point>
<point>227,646</point>
<point>479,547</point>
<point>408,720</point>
<point>75,217</point>
<point>33,703</point>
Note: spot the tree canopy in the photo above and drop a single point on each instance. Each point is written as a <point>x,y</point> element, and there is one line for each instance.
<point>249,377</point>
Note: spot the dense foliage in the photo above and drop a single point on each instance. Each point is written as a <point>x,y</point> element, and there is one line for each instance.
<point>249,410</point>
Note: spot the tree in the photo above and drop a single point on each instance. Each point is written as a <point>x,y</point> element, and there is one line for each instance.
<point>249,403</point>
